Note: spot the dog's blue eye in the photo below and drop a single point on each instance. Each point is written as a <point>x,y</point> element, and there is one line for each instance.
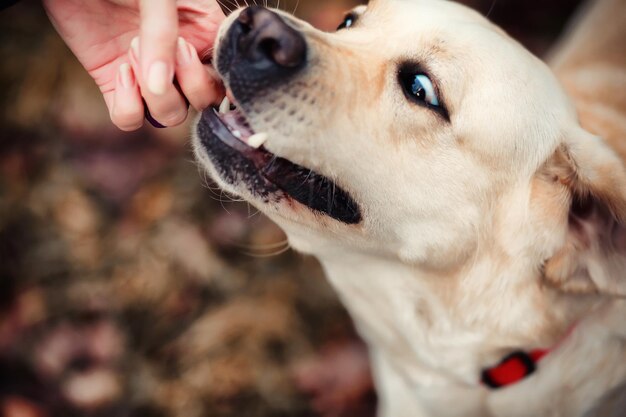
<point>422,89</point>
<point>348,22</point>
<point>418,87</point>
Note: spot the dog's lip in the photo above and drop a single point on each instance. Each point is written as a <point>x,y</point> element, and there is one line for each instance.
<point>301,184</point>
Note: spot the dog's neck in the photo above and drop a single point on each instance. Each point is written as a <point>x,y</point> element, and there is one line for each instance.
<point>433,327</point>
<point>396,313</point>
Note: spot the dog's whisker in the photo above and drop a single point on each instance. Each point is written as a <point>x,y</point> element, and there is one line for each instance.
<point>493,5</point>
<point>306,179</point>
<point>263,247</point>
<point>256,211</point>
<point>228,7</point>
<point>217,194</point>
<point>271,163</point>
<point>222,204</point>
<point>269,255</point>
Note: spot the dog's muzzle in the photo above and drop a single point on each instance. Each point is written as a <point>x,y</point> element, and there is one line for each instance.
<point>260,51</point>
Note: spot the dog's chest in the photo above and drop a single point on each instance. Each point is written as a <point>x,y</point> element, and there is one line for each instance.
<point>422,358</point>
<point>393,313</point>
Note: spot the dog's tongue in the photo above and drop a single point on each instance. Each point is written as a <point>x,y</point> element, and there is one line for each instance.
<point>237,124</point>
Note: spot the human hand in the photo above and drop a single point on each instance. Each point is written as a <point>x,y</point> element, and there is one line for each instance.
<point>167,36</point>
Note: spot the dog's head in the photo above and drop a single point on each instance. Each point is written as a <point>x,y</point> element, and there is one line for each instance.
<point>418,131</point>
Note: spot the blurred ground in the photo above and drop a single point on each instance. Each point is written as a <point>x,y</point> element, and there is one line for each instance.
<point>131,286</point>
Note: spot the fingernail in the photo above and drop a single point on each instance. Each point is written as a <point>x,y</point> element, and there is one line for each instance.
<point>127,80</point>
<point>158,78</point>
<point>134,45</point>
<point>183,52</point>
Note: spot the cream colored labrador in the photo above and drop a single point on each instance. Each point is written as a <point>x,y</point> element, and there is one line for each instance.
<point>440,173</point>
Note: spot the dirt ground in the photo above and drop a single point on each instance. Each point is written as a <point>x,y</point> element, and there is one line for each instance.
<point>131,286</point>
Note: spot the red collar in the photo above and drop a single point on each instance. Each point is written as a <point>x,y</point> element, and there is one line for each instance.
<point>513,368</point>
<point>517,365</point>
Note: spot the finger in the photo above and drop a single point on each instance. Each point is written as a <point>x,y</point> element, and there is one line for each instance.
<point>200,88</point>
<point>169,108</point>
<point>158,35</point>
<point>127,107</point>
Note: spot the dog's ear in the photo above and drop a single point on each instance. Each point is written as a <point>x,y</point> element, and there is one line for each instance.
<point>592,179</point>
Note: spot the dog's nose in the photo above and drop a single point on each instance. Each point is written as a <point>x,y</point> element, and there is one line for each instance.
<point>259,52</point>
<point>267,41</point>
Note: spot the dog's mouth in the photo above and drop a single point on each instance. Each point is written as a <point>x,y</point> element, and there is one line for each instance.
<point>239,155</point>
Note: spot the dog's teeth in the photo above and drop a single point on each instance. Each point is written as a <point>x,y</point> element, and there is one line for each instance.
<point>225,106</point>
<point>257,140</point>
<point>237,134</point>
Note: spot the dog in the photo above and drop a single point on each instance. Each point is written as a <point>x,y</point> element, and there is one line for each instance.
<point>467,205</point>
